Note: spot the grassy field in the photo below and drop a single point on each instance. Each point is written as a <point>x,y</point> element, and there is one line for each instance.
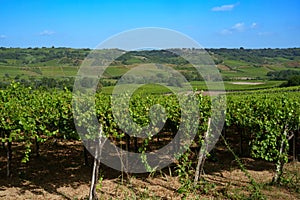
<point>200,85</point>
<point>146,89</point>
<point>238,85</point>
<point>115,72</point>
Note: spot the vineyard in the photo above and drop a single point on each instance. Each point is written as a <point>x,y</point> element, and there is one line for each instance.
<point>263,125</point>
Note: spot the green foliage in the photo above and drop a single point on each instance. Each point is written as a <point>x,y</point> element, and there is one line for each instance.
<point>25,116</point>
<point>28,114</point>
<point>185,173</point>
<point>38,56</point>
<point>293,81</point>
<point>291,180</point>
<point>269,120</point>
<point>256,56</point>
<point>283,74</point>
<point>256,193</point>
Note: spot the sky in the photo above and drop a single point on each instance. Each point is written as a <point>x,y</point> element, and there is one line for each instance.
<point>212,23</point>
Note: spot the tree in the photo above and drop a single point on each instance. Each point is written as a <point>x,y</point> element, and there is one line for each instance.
<point>293,81</point>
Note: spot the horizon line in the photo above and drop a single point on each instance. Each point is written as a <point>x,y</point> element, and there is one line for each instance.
<point>66,47</point>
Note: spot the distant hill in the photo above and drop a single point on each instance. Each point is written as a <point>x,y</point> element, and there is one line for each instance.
<point>232,63</point>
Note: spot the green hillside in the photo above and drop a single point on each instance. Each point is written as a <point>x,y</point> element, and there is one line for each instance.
<point>233,64</point>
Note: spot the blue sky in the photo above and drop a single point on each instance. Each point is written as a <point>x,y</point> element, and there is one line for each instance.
<point>212,23</point>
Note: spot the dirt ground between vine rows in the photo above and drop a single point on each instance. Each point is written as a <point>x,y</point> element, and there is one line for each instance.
<point>59,173</point>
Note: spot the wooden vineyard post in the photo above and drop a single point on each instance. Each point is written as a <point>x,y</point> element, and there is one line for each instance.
<point>9,158</point>
<point>202,155</point>
<point>280,162</point>
<point>95,173</point>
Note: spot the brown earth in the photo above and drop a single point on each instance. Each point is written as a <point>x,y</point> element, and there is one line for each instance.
<point>223,67</point>
<point>59,173</point>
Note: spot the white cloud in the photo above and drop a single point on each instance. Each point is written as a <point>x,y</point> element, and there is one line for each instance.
<point>253,25</point>
<point>226,32</point>
<point>238,27</point>
<point>46,32</point>
<point>224,7</point>
<point>2,36</point>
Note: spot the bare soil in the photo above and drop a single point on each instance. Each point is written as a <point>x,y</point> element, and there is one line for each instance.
<point>59,173</point>
<point>223,67</point>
